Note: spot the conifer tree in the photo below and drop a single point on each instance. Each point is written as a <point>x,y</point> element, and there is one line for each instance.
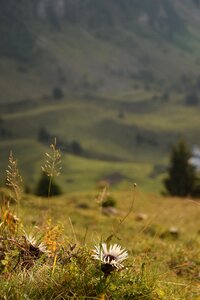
<point>181,174</point>
<point>43,186</point>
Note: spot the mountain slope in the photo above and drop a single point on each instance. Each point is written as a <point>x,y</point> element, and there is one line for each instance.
<point>128,76</point>
<point>97,46</point>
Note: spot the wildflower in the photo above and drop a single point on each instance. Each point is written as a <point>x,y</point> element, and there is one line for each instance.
<point>111,258</point>
<point>34,248</point>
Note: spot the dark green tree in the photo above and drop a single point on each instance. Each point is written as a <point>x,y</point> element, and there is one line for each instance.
<point>43,187</point>
<point>76,148</point>
<point>181,174</point>
<point>192,99</point>
<point>44,136</point>
<point>57,93</point>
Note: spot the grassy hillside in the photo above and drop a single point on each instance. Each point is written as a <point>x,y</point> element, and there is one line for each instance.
<point>125,88</point>
<point>115,136</point>
<point>161,236</point>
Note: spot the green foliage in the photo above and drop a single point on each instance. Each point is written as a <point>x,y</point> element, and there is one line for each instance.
<point>109,201</point>
<point>42,188</point>
<point>181,174</point>
<point>76,148</point>
<point>192,99</point>
<point>44,136</point>
<point>4,132</point>
<point>57,93</point>
<point>78,277</point>
<point>121,114</point>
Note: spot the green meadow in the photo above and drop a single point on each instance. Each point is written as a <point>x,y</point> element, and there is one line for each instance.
<point>135,145</point>
<point>161,235</point>
<point>113,85</point>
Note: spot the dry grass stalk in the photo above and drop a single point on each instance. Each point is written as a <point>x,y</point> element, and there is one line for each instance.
<point>13,178</point>
<point>52,164</point>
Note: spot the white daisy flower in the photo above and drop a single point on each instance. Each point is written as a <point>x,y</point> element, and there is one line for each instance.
<point>35,248</point>
<point>111,257</point>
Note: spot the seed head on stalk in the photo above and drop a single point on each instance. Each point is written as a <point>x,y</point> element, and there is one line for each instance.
<point>52,165</point>
<point>13,178</point>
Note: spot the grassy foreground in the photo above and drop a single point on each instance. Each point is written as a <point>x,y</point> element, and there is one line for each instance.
<point>160,234</point>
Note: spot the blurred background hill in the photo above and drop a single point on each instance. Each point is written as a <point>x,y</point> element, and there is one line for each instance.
<point>117,82</point>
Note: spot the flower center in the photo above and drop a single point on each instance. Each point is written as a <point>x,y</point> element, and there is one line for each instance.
<point>108,258</point>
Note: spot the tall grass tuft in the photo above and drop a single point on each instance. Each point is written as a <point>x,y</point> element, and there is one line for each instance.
<point>14,180</point>
<point>52,165</point>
